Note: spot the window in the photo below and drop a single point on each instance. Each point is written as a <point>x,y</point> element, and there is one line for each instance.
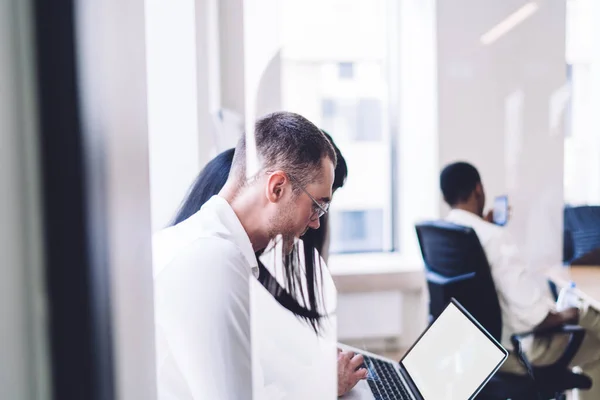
<point>358,120</point>
<point>368,126</point>
<point>357,231</point>
<point>346,70</point>
<point>335,74</point>
<point>328,109</point>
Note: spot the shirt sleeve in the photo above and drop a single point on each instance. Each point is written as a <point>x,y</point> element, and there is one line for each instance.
<point>523,296</point>
<point>203,295</point>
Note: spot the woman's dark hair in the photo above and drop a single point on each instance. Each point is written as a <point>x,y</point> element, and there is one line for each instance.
<point>210,181</point>
<point>316,237</point>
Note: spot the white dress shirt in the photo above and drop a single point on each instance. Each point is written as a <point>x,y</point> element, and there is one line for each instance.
<point>524,300</point>
<point>202,268</point>
<point>203,271</point>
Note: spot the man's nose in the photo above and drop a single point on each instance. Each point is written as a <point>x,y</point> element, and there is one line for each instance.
<point>315,224</point>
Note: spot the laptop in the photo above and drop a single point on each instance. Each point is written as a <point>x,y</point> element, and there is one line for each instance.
<point>452,360</point>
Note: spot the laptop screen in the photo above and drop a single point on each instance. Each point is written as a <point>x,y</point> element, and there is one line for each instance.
<point>452,358</point>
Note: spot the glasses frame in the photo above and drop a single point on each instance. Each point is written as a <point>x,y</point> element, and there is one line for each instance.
<point>321,209</point>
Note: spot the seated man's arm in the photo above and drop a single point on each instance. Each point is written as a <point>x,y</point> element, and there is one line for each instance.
<point>524,297</point>
<point>203,300</point>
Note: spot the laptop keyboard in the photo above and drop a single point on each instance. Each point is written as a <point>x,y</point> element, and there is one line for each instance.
<point>384,380</point>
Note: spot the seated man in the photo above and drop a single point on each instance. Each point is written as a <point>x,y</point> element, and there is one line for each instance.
<point>525,301</point>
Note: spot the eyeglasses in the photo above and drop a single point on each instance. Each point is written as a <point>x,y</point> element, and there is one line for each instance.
<point>318,210</point>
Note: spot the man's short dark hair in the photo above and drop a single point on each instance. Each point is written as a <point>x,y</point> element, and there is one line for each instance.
<point>457,181</point>
<point>288,142</point>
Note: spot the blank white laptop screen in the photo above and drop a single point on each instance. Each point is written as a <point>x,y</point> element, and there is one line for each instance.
<point>452,358</point>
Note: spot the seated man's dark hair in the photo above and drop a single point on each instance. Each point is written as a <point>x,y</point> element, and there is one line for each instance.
<point>458,181</point>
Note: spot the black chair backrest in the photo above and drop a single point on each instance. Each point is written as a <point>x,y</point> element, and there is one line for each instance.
<point>581,231</point>
<point>458,267</point>
<point>581,217</point>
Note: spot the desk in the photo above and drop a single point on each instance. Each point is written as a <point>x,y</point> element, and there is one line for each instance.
<point>586,278</point>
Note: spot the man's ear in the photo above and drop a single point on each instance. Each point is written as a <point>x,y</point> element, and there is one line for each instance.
<point>276,186</point>
<point>479,189</point>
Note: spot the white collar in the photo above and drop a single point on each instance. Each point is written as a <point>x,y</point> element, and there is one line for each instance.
<point>232,223</point>
<point>462,215</point>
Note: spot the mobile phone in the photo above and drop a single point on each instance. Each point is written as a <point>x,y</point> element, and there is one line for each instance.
<point>501,210</point>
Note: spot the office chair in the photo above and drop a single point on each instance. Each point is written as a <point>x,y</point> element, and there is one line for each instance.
<point>456,266</point>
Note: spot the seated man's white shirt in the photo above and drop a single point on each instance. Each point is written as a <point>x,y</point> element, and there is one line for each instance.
<point>524,300</point>
<point>202,268</point>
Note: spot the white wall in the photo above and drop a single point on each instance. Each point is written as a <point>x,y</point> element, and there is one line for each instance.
<point>24,358</point>
<point>176,155</point>
<point>500,108</point>
<point>582,147</point>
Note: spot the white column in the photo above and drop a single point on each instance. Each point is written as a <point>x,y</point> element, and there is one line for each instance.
<point>417,126</point>
<point>249,43</point>
<point>112,64</point>
<point>208,92</point>
<point>232,58</point>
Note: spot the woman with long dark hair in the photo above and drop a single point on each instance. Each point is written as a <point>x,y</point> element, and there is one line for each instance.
<point>302,291</point>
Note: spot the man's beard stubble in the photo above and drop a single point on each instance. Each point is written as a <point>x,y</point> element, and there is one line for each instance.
<point>282,225</point>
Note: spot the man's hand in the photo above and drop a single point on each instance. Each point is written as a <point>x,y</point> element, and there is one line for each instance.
<point>570,316</point>
<point>348,374</point>
<point>489,217</point>
<point>555,318</point>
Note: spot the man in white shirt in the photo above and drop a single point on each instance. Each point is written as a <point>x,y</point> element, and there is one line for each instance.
<point>525,300</point>
<point>203,264</point>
